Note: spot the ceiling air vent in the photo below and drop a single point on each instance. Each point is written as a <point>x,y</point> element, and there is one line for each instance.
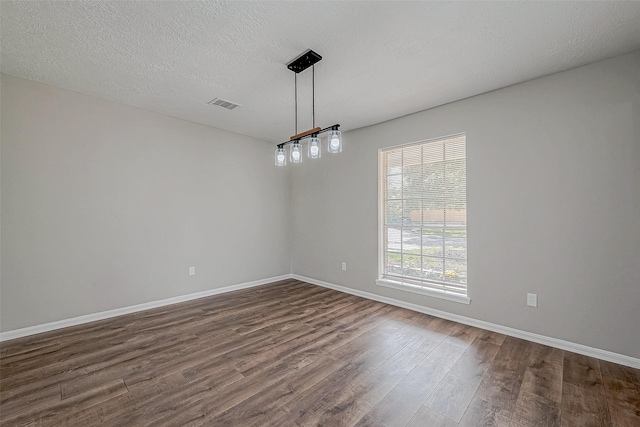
<point>224,103</point>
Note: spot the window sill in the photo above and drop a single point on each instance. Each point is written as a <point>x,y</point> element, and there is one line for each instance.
<point>422,291</point>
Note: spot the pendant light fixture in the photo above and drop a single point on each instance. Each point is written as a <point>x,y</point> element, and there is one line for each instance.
<point>335,141</point>
<point>311,136</point>
<point>281,157</point>
<point>314,148</point>
<point>296,153</point>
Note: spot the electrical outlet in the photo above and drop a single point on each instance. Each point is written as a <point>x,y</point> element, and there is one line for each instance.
<point>532,300</point>
<point>192,271</point>
<point>344,266</point>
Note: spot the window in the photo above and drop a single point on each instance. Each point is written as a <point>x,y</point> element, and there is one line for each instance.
<point>423,218</point>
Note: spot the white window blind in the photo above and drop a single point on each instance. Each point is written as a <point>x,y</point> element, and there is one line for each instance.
<point>424,215</point>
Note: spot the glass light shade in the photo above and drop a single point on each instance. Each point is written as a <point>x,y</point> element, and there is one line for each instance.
<point>295,155</point>
<point>334,144</point>
<point>314,151</point>
<point>281,157</point>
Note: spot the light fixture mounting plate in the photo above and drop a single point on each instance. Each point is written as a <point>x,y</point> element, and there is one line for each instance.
<point>304,61</point>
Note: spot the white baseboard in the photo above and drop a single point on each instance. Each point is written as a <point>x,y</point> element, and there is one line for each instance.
<point>530,336</point>
<point>46,327</point>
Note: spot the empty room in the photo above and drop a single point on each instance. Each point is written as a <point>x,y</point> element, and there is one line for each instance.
<point>319,213</point>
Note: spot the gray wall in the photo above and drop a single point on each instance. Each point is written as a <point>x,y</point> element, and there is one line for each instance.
<point>106,206</point>
<point>553,170</point>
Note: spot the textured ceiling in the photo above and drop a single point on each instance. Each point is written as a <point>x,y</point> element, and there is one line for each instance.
<point>381,60</point>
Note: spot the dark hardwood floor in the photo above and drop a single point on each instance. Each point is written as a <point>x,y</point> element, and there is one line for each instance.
<point>294,354</point>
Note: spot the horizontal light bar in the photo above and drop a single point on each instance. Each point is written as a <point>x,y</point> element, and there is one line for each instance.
<point>308,134</point>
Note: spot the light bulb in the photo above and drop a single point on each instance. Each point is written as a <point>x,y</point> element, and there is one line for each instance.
<point>295,155</point>
<point>335,141</point>
<point>314,151</point>
<point>281,159</point>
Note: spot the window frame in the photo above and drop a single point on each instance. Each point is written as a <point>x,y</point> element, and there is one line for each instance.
<point>409,285</point>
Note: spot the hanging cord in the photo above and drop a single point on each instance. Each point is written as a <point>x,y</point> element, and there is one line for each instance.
<point>295,86</point>
<point>313,96</point>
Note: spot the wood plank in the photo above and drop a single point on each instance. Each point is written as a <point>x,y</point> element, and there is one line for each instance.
<point>154,400</point>
<point>481,413</point>
<point>623,399</point>
<point>36,401</point>
<point>543,376</point>
<point>501,384</point>
<point>277,418</point>
<point>533,410</point>
<point>20,355</point>
<point>475,361</point>
<point>256,408</point>
<point>185,362</point>
<point>462,335</point>
<point>253,350</point>
<point>248,387</point>
<point>583,407</point>
<point>368,421</point>
<point>613,370</point>
<point>582,371</point>
<point>310,406</point>
<point>46,413</point>
<point>434,332</point>
<point>428,417</point>
<point>85,384</point>
<point>451,397</point>
<point>406,398</point>
<point>454,393</point>
<point>365,392</point>
<point>492,337</point>
<point>249,364</point>
<point>305,133</point>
